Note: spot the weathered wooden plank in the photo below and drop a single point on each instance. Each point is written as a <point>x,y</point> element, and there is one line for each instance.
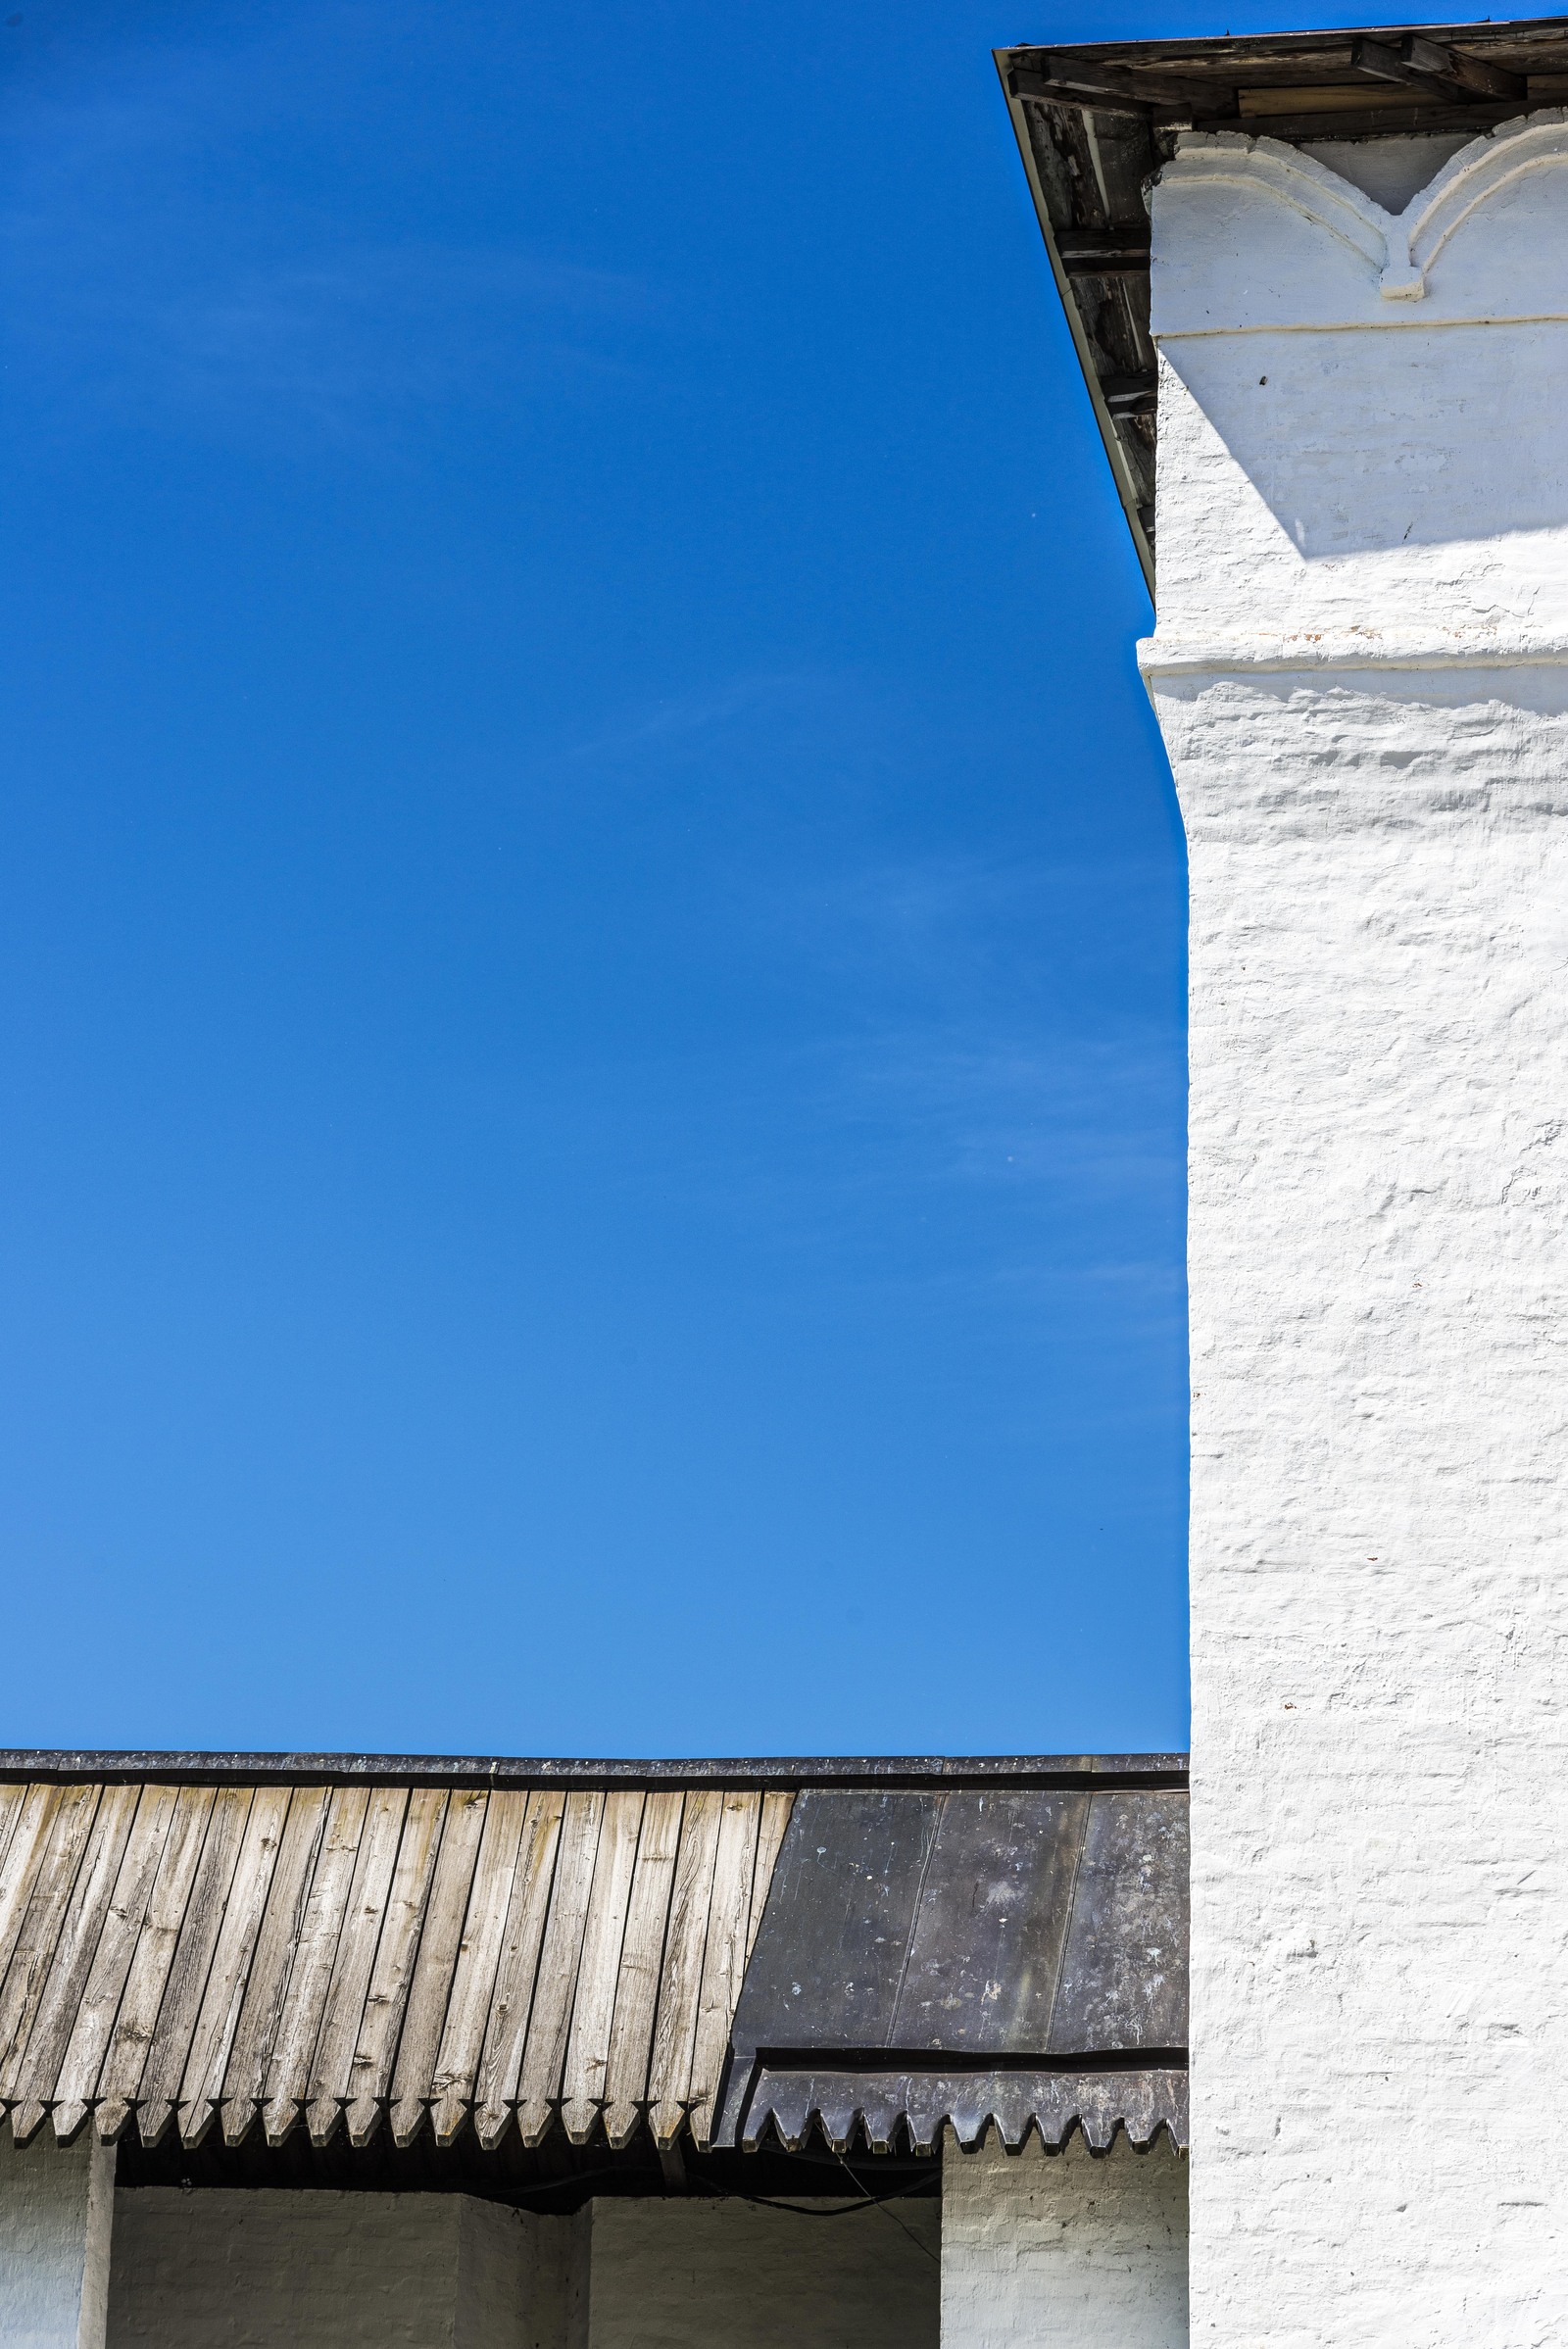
<point>473,1978</point>
<point>309,1976</point>
<point>201,2085</point>
<point>507,2032</point>
<point>12,1800</point>
<point>642,1952</point>
<point>545,2054</point>
<point>126,2058</point>
<point>432,1986</point>
<point>28,1970</point>
<point>30,1833</point>
<point>371,2074</point>
<point>675,2026</point>
<point>176,2025</point>
<point>724,1957</point>
<point>776,1819</point>
<point>587,2066</point>
<point>32,2070</point>
<point>261,2014</point>
<point>343,2014</point>
<point>92,2024</point>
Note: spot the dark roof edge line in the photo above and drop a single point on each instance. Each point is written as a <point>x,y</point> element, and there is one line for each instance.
<point>469,1770</point>
<point>1143,545</point>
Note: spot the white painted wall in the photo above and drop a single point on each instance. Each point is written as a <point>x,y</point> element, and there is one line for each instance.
<point>1064,2251</point>
<point>699,2275</point>
<point>265,2270</point>
<point>1361,670</point>
<point>56,2214</point>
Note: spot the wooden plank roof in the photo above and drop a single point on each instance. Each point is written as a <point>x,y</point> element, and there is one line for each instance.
<point>243,1953</point>
<point>1095,121</point>
<point>308,1954</point>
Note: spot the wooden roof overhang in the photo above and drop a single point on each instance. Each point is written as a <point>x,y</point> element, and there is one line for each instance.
<point>357,1962</point>
<point>1096,122</point>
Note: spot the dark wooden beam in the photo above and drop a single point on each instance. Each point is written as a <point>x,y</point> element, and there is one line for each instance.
<point>1420,64</point>
<point>1130,395</point>
<point>1103,252</point>
<point>1375,122</point>
<point>1470,72</point>
<point>1024,82</point>
<point>1144,83</point>
<point>1109,90</point>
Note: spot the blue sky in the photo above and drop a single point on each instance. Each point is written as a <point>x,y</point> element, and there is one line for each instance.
<point>590,1035</point>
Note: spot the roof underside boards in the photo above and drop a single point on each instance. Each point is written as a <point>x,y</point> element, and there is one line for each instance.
<point>1095,124</point>
<point>338,1961</point>
<point>1016,1954</point>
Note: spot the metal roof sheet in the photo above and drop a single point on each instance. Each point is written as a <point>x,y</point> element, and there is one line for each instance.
<point>1018,1952</point>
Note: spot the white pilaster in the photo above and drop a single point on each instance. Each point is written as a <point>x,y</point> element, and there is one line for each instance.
<point>56,2214</point>
<point>1064,2251</point>
<point>1361,670</point>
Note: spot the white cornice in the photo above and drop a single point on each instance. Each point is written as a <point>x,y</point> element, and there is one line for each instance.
<point>1395,250</point>
<point>1168,654</point>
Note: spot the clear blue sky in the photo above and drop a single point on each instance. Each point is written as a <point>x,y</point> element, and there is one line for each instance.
<point>590,907</point>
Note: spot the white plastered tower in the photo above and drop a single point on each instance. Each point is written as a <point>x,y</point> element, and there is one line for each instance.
<point>1360,666</point>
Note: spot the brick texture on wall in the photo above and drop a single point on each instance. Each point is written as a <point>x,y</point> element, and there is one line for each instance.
<point>1360,667</point>
<point>691,2274</point>
<point>1064,2251</point>
<point>261,2269</point>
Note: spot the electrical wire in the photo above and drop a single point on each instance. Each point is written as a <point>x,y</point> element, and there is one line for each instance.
<point>881,2203</point>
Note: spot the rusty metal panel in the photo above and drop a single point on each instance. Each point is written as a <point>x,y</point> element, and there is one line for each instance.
<point>1124,1973</point>
<point>991,1922</point>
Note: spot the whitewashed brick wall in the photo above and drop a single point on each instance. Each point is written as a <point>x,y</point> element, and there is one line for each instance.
<point>217,2270</point>
<point>56,2212</point>
<point>263,2270</point>
<point>1361,670</point>
<point>693,2275</point>
<point>1064,2251</point>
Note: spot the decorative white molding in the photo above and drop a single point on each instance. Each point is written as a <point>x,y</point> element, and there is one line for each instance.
<point>1532,143</point>
<point>1399,248</point>
<point>1166,654</point>
<point>1206,159</point>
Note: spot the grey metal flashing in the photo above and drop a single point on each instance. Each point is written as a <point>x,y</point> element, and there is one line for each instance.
<point>64,1766</point>
<point>879,2109</point>
<point>1027,1936</point>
